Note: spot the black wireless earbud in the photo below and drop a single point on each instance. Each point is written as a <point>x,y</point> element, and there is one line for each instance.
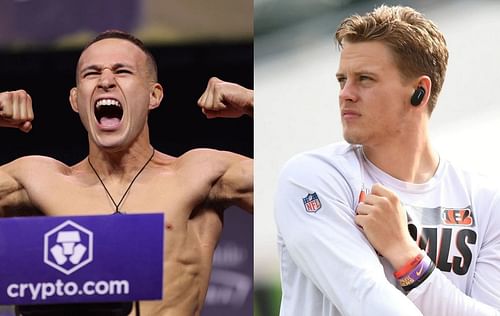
<point>417,96</point>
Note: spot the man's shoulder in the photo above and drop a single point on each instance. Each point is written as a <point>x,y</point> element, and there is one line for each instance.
<point>35,163</point>
<point>33,169</point>
<point>206,159</point>
<point>333,170</point>
<point>468,174</point>
<point>335,161</point>
<point>479,185</point>
<point>337,155</point>
<point>213,155</point>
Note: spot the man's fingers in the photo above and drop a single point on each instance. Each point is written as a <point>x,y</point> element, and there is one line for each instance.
<point>30,115</point>
<point>24,105</point>
<point>359,220</point>
<point>373,199</point>
<point>16,110</point>
<point>213,97</point>
<point>209,113</point>
<point>15,106</point>
<point>23,110</point>
<point>6,101</point>
<point>21,104</point>
<point>380,190</point>
<point>206,99</point>
<point>26,127</point>
<point>218,104</point>
<point>203,99</point>
<point>209,102</point>
<point>362,209</point>
<point>225,99</point>
<point>213,81</point>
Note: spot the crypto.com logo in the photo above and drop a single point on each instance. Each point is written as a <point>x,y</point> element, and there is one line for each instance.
<point>68,247</point>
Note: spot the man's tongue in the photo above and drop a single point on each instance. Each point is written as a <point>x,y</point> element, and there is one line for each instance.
<point>110,122</point>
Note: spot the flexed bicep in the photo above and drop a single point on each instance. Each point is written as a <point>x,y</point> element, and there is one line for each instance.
<point>235,185</point>
<point>13,196</point>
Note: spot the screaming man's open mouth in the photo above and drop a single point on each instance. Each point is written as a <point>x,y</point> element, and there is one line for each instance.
<point>108,112</point>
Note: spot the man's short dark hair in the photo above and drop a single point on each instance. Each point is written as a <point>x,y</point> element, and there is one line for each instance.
<point>151,62</point>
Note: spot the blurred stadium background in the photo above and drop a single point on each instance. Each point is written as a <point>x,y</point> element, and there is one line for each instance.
<point>192,40</point>
<point>297,109</point>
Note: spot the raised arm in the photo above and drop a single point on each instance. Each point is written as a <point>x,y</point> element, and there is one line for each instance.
<point>16,112</point>
<point>235,185</point>
<point>226,99</point>
<point>13,196</point>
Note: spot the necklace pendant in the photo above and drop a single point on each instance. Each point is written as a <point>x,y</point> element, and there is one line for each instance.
<point>117,205</point>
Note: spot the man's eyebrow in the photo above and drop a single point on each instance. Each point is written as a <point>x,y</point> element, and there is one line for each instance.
<point>366,72</point>
<point>100,68</point>
<point>358,73</point>
<point>120,65</point>
<point>91,67</point>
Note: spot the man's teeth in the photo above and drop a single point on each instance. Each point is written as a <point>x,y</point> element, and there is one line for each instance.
<point>108,102</point>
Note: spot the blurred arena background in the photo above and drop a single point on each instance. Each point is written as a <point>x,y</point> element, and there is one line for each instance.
<point>192,40</point>
<point>297,109</point>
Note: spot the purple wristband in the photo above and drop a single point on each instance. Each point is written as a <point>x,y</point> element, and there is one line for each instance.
<point>417,275</point>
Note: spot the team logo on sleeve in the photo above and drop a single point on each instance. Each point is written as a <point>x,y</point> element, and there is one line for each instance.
<point>312,202</point>
<point>452,216</point>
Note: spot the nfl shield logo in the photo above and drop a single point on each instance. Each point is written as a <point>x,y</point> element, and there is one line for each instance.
<point>312,202</point>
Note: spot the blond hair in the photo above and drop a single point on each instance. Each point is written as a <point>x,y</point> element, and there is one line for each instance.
<point>419,48</point>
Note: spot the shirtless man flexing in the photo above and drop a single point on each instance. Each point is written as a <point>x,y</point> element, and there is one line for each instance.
<point>116,86</point>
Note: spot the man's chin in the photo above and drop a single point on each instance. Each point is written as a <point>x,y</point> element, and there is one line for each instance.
<point>110,143</point>
<point>351,139</point>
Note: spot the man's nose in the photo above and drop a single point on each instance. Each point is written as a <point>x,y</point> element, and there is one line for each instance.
<point>348,92</point>
<point>107,80</point>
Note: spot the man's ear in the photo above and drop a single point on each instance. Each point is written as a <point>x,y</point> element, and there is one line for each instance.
<point>155,96</point>
<point>72,99</point>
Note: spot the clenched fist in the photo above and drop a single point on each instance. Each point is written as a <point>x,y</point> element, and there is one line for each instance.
<point>16,110</point>
<point>384,223</point>
<point>226,99</point>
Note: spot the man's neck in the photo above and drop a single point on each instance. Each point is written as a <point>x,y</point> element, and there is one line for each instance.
<point>119,163</point>
<point>414,162</point>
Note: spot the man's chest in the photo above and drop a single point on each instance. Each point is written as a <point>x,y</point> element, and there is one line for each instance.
<point>444,221</point>
<point>169,195</point>
<point>448,234</point>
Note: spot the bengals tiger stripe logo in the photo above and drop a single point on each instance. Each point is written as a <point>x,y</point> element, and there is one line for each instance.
<point>452,216</point>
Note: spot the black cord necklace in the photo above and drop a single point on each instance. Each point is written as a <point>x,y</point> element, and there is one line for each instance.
<point>117,206</point>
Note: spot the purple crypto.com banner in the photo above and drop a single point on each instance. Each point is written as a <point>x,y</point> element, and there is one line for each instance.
<point>112,258</point>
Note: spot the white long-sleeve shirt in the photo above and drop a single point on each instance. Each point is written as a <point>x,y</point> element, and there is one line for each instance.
<point>328,267</point>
